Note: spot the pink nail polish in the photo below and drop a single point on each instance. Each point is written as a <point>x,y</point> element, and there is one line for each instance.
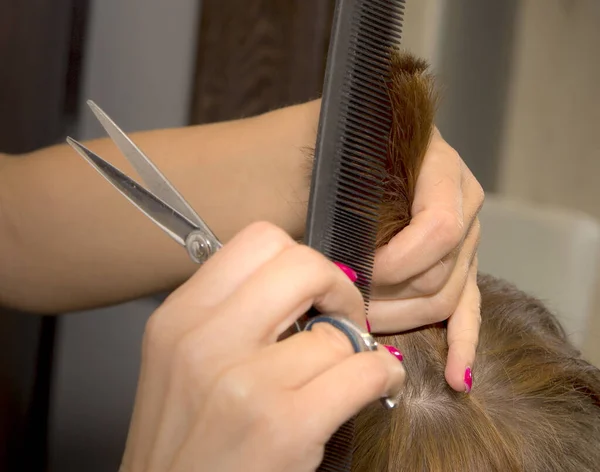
<point>368,325</point>
<point>353,276</point>
<point>395,352</point>
<point>468,380</point>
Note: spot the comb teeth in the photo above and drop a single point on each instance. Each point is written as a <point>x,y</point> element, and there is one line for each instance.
<point>354,130</point>
<point>339,449</point>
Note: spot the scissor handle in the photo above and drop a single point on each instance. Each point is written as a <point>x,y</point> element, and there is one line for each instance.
<point>361,341</point>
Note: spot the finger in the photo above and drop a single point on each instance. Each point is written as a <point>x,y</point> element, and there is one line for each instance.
<point>421,285</point>
<point>345,389</point>
<point>429,282</point>
<point>284,289</point>
<point>217,279</point>
<point>302,357</point>
<point>436,226</point>
<point>463,334</point>
<point>434,234</point>
<point>231,266</point>
<point>392,316</point>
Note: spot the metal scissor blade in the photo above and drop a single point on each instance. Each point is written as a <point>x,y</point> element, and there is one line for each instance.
<point>170,220</point>
<point>157,183</point>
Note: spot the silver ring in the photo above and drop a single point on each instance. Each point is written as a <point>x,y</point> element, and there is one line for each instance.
<point>361,341</point>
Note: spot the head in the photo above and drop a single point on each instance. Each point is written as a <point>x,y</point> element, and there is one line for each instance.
<point>535,404</point>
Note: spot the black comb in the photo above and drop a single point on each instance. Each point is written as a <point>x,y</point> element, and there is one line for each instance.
<point>353,134</point>
<point>351,149</point>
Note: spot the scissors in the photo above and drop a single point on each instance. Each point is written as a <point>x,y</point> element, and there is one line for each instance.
<point>162,203</point>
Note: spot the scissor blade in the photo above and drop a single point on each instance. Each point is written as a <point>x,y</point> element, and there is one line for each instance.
<point>157,183</point>
<point>170,220</point>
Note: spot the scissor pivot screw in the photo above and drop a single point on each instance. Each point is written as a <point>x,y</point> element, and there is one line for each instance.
<point>198,247</point>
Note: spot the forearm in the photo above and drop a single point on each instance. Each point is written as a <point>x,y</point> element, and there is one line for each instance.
<point>69,241</point>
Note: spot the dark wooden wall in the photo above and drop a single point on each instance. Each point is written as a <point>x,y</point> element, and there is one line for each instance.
<point>40,44</point>
<point>34,38</point>
<point>255,56</point>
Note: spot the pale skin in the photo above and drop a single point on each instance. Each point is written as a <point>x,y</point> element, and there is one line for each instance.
<point>69,241</point>
<point>244,401</point>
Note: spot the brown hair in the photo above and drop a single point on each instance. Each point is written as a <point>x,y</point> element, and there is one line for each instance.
<point>535,405</point>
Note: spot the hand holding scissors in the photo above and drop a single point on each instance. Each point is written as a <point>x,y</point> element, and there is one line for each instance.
<point>217,392</point>
<point>204,403</point>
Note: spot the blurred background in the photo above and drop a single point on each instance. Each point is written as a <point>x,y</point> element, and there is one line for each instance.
<point>521,104</point>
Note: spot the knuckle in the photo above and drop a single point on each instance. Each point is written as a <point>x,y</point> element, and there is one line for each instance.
<point>433,280</point>
<point>478,320</point>
<point>454,155</point>
<point>253,407</point>
<point>479,194</point>
<point>476,228</point>
<point>190,354</point>
<point>233,385</point>
<point>153,326</point>
<point>318,271</point>
<point>433,316</point>
<point>186,350</point>
<point>475,191</point>
<point>477,311</point>
<point>448,229</point>
<point>270,233</point>
<point>442,306</point>
<point>309,256</point>
<point>475,188</point>
<point>171,298</point>
<point>155,332</point>
<point>472,241</point>
<point>473,259</point>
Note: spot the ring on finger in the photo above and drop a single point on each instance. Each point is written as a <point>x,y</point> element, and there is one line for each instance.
<point>361,341</point>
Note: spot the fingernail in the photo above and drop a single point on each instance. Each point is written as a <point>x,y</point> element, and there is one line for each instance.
<point>395,352</point>
<point>353,276</point>
<point>368,325</point>
<point>468,380</point>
